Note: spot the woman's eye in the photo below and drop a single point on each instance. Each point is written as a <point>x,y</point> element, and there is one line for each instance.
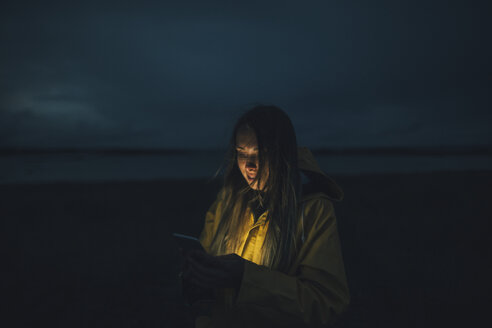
<point>244,156</point>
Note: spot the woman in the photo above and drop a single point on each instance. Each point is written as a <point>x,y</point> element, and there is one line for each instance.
<point>273,255</point>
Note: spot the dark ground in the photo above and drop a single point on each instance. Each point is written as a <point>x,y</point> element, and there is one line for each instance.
<point>416,250</point>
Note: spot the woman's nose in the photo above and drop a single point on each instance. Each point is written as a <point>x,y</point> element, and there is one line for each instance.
<point>251,163</point>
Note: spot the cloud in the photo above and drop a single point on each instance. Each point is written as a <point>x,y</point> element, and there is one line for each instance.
<point>170,75</point>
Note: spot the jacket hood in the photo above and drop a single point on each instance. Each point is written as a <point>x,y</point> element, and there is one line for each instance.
<point>314,180</point>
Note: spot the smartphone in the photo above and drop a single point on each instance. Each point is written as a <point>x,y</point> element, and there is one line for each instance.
<point>187,243</point>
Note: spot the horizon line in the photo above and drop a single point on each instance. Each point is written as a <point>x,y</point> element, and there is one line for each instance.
<point>371,150</point>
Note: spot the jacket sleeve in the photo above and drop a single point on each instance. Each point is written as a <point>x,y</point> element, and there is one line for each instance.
<point>316,292</point>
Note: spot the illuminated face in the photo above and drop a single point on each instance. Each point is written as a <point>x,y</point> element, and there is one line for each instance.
<point>247,157</point>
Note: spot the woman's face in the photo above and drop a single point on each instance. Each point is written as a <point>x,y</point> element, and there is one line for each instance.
<point>247,157</point>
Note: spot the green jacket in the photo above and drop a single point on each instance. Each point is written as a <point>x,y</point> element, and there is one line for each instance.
<point>314,291</point>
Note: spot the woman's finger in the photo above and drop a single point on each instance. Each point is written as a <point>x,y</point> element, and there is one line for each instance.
<point>212,278</point>
<point>208,273</point>
<point>204,258</point>
<point>204,282</point>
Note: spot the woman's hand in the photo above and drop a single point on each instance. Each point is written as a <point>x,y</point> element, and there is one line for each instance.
<point>192,293</point>
<point>209,271</point>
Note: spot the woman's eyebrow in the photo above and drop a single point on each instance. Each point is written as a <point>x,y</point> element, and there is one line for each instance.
<point>244,148</point>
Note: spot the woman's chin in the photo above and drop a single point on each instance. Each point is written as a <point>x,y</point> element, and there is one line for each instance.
<point>253,185</point>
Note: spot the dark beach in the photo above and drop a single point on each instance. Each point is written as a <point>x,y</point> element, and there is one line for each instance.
<point>416,249</point>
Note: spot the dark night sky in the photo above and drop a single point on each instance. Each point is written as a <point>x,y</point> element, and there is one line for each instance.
<point>161,74</point>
